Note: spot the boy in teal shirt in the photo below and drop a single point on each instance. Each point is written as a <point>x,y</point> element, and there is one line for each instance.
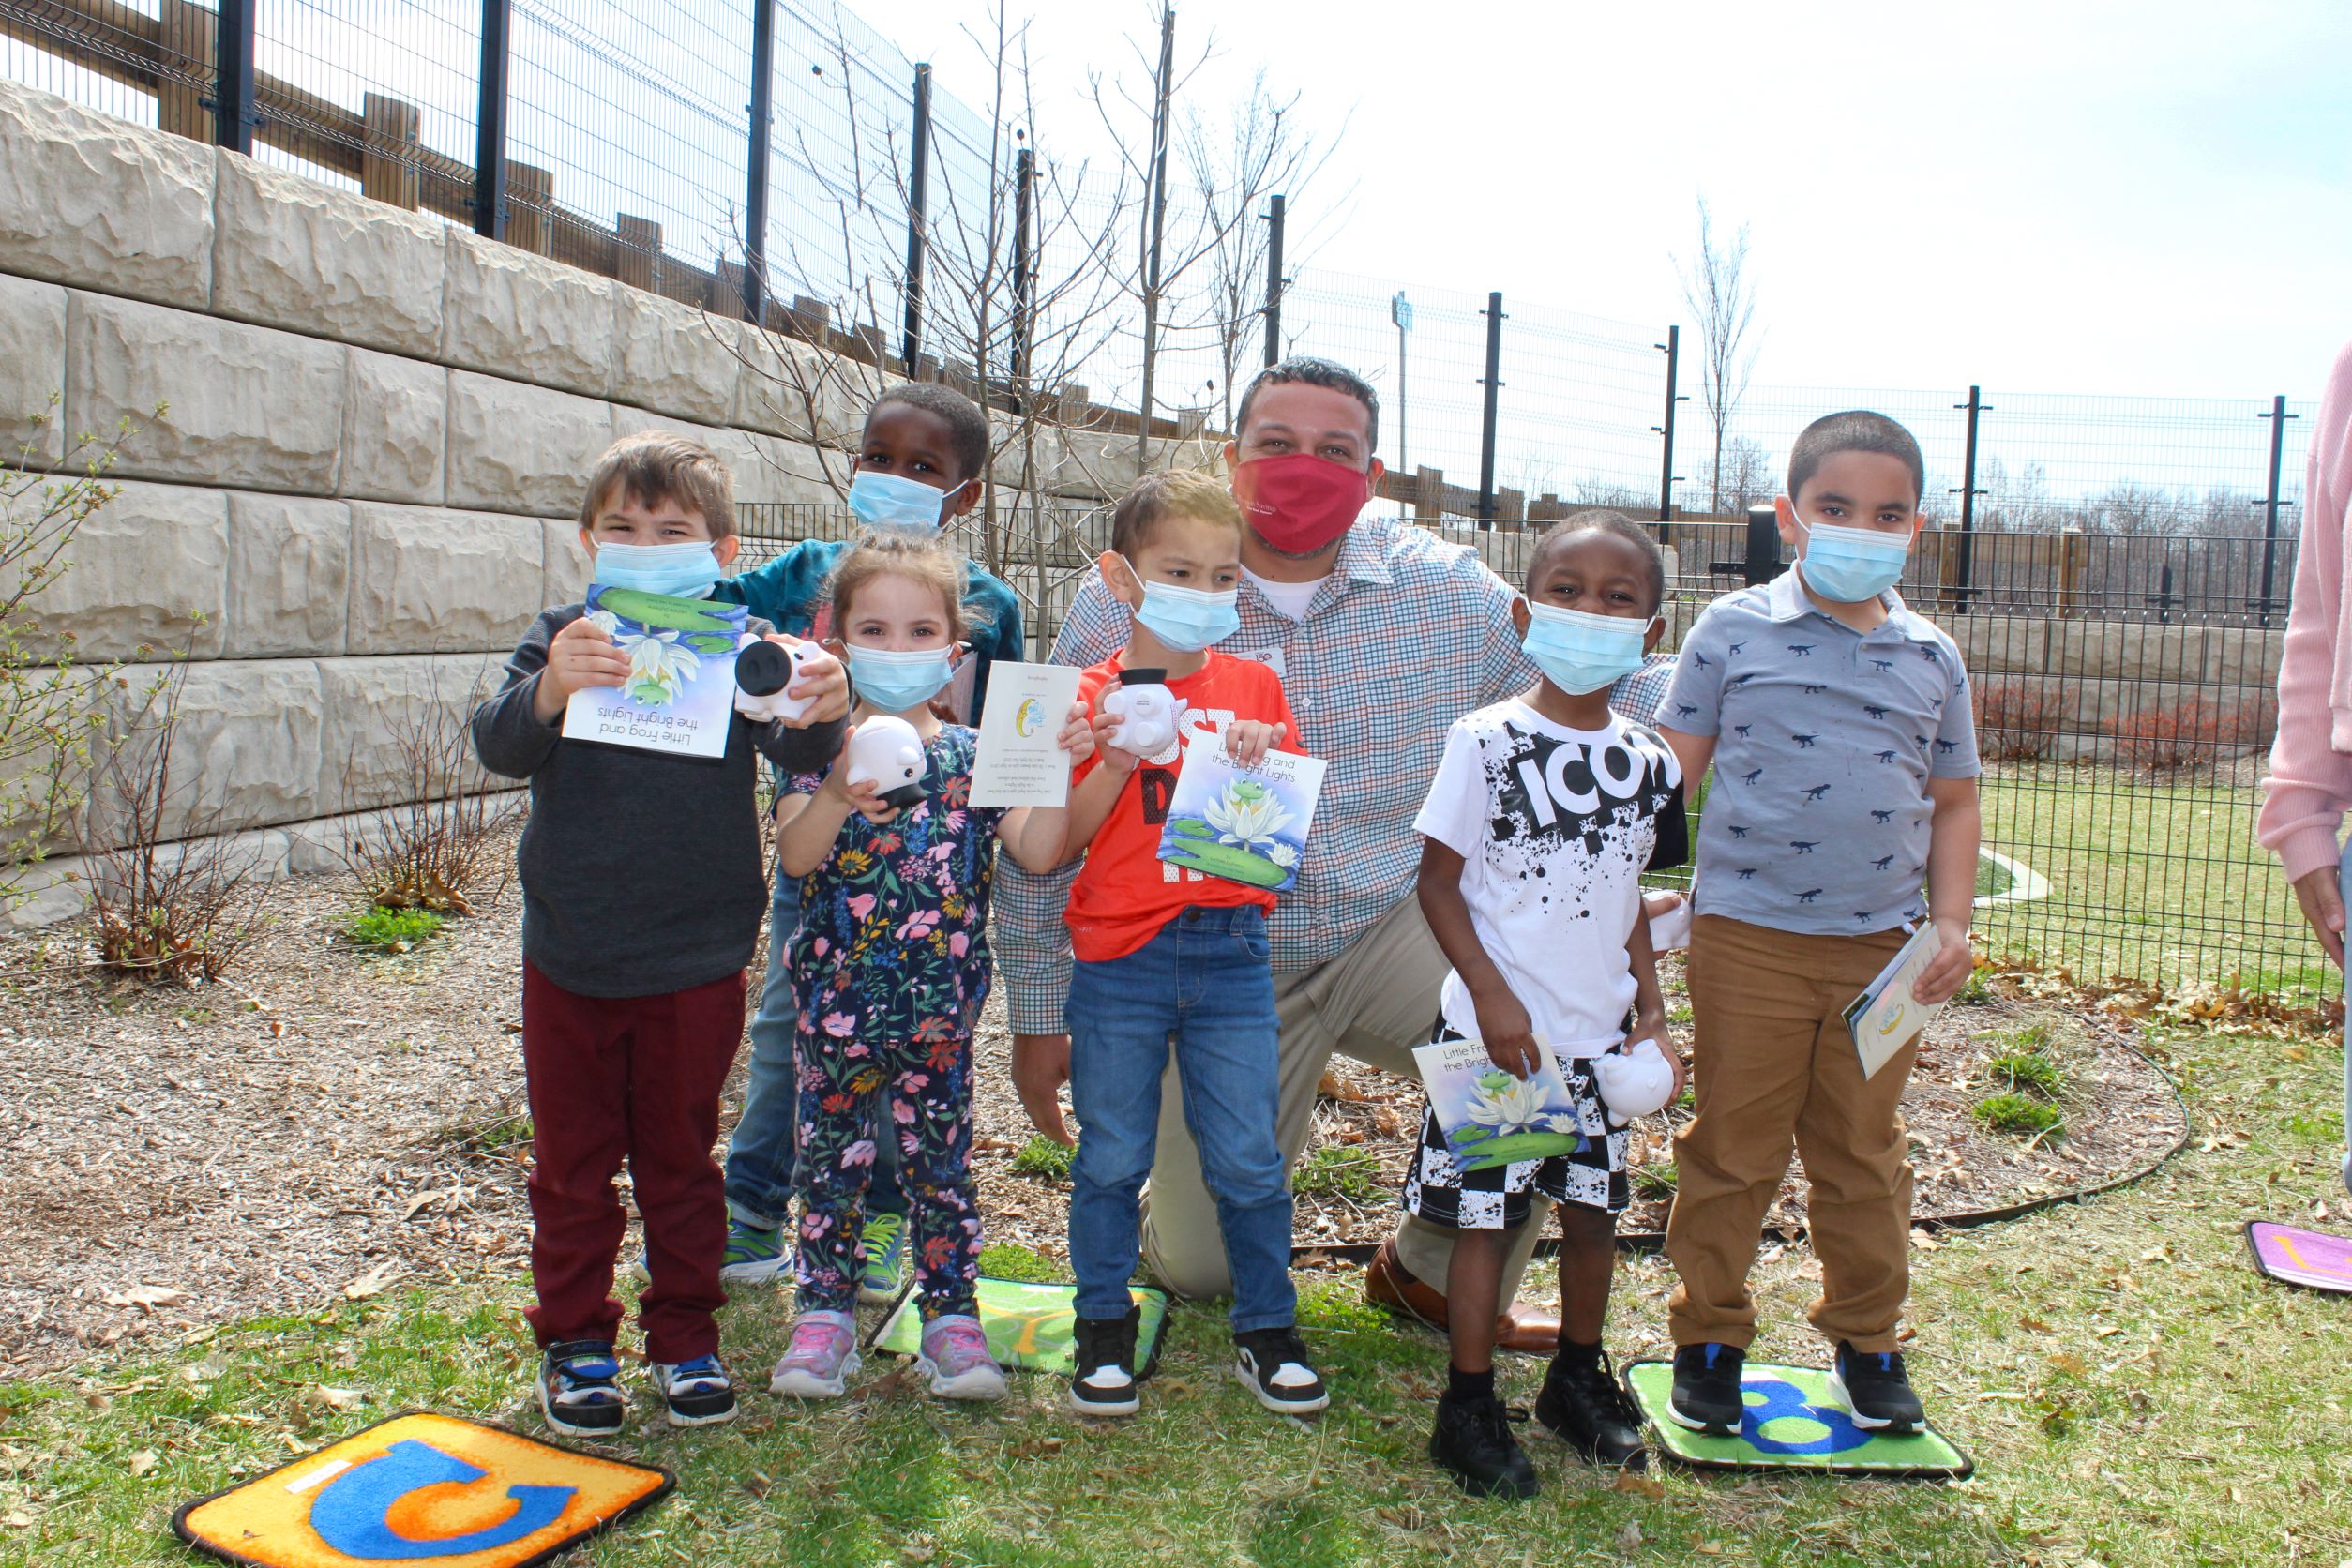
<point>920,462</point>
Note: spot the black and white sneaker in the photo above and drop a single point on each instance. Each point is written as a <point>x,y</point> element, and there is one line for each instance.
<point>1875,1390</point>
<point>1104,1378</point>
<point>1473,1444</point>
<point>1706,1396</point>
<point>579,1389</point>
<point>698,1392</point>
<point>1589,1410</point>
<point>1272,1364</point>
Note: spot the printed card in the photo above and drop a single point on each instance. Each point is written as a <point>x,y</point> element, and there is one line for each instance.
<point>680,694</point>
<point>1491,1117</point>
<point>1021,761</point>
<point>1885,1017</point>
<point>1245,824</point>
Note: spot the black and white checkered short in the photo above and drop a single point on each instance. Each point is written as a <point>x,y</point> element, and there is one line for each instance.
<point>1438,1189</point>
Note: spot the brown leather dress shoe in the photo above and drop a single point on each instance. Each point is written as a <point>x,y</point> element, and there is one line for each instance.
<point>1387,1284</point>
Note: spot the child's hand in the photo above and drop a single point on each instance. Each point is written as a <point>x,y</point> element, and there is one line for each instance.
<point>579,657</point>
<point>1507,1032</point>
<point>822,678</point>
<point>1653,1026</point>
<point>1949,970</point>
<point>1077,735</point>
<point>854,797</point>
<point>1119,761</point>
<point>1248,740</point>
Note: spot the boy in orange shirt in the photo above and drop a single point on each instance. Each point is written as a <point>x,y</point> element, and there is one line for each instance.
<point>1167,956</point>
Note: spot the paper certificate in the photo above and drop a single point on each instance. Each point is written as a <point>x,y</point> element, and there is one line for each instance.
<point>1021,761</point>
<point>1885,1017</point>
<point>680,694</point>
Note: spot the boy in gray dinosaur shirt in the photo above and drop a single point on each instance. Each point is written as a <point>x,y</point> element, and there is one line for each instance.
<point>642,890</point>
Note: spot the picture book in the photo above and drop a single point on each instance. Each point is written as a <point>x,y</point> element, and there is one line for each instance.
<point>1491,1117</point>
<point>680,694</point>
<point>1245,824</point>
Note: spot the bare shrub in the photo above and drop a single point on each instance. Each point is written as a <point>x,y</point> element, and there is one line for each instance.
<point>440,849</point>
<point>2188,734</point>
<point>2018,722</point>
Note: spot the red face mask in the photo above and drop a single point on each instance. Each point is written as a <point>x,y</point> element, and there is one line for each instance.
<point>1298,502</point>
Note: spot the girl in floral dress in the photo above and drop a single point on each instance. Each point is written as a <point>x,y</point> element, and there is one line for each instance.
<point>890,968</point>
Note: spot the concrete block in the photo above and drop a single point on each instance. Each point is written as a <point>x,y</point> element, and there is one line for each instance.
<point>288,576</point>
<point>518,448</point>
<point>511,313</point>
<point>429,581</point>
<point>790,389</point>
<point>32,347</point>
<point>246,751</point>
<point>146,576</point>
<point>250,407</point>
<point>566,578</point>
<point>793,472</point>
<point>375,708</point>
<point>734,447</point>
<point>395,429</point>
<point>289,251</point>
<point>670,359</point>
<point>2244,657</point>
<point>92,200</point>
<point>48,893</point>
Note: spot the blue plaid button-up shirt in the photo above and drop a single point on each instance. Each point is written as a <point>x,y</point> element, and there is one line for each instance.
<point>1408,634</point>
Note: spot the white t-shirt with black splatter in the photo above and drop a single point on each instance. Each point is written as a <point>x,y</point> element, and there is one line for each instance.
<point>1555,827</point>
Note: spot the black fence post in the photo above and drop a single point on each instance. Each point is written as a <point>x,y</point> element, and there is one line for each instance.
<point>1024,263</point>
<point>1672,349</point>
<point>2163,597</point>
<point>1274,278</point>
<point>1492,381</point>
<point>2278,417</point>
<point>233,118</point>
<point>755,239</point>
<point>490,123</point>
<point>1762,562</point>
<point>1977,407</point>
<point>917,192</point>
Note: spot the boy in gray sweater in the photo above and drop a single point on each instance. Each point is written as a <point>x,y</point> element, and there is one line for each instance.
<point>642,890</point>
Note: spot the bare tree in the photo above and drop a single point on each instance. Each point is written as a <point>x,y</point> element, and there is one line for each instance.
<point>1746,476</point>
<point>1716,287</point>
<point>2128,506</point>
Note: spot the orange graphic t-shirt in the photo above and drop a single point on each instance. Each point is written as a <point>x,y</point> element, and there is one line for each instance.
<point>1125,892</point>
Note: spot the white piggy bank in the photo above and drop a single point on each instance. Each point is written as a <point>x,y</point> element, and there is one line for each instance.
<point>1146,711</point>
<point>886,751</point>
<point>765,672</point>
<point>1633,1082</point>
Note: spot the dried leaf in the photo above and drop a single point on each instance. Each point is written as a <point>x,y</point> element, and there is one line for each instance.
<point>373,1281</point>
<point>2036,1324</point>
<point>142,1462</point>
<point>1629,1539</point>
<point>1638,1485</point>
<point>2070,1365</point>
<point>337,1398</point>
<point>146,1297</point>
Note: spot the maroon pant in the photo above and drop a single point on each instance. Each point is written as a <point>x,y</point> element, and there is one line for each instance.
<point>638,1079</point>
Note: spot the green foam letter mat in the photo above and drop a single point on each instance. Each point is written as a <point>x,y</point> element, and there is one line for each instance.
<point>1028,1325</point>
<point>1795,1421</point>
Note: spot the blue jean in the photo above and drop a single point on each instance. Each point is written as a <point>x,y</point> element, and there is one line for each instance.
<point>760,1151</point>
<point>1202,984</point>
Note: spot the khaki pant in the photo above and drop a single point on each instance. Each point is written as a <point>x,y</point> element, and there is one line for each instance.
<point>1774,1061</point>
<point>1376,1002</point>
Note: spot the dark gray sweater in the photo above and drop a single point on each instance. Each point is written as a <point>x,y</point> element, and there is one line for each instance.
<point>641,874</point>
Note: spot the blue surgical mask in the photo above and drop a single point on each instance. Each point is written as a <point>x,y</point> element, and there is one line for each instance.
<point>1190,619</point>
<point>1579,651</point>
<point>687,570</point>
<point>886,501</point>
<point>1850,564</point>
<point>896,681</point>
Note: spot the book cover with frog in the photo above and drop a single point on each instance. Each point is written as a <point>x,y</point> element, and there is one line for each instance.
<point>680,694</point>
<point>1245,824</point>
<point>1491,1117</point>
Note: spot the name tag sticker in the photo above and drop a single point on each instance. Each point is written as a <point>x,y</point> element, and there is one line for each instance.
<point>1270,657</point>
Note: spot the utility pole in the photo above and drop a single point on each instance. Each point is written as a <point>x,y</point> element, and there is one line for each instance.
<point>1977,408</point>
<point>1492,381</point>
<point>1400,310</point>
<point>1155,224</point>
<point>918,189</point>
<point>1274,278</point>
<point>755,239</point>
<point>1672,349</point>
<point>2270,503</point>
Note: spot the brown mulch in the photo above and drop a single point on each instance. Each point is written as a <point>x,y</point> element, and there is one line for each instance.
<point>332,1121</point>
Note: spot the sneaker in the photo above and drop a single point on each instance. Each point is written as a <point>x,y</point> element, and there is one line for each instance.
<point>699,1391</point>
<point>883,1249</point>
<point>1473,1444</point>
<point>1875,1390</point>
<point>1273,1364</point>
<point>955,1357</point>
<point>753,1256</point>
<point>1104,1376</point>
<point>1707,1396</point>
<point>823,1354</point>
<point>579,1389</point>
<point>1589,1410</point>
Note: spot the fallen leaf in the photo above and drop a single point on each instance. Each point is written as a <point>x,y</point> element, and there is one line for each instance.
<point>16,1518</point>
<point>373,1281</point>
<point>2036,1324</point>
<point>338,1399</point>
<point>142,1462</point>
<point>1629,1539</point>
<point>146,1297</point>
<point>2106,1330</point>
<point>2070,1364</point>
<point>1638,1485</point>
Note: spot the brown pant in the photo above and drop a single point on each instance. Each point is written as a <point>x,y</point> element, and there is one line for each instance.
<point>1774,1061</point>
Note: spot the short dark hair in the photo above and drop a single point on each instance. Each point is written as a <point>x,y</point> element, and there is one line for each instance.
<point>1601,520</point>
<point>1317,372</point>
<point>1856,430</point>
<point>967,425</point>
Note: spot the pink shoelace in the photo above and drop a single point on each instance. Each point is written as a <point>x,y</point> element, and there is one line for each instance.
<point>957,1347</point>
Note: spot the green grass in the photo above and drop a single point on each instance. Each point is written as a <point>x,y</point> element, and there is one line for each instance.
<point>392,930</point>
<point>1336,1171</point>
<point>2131,1391</point>
<point>2021,1114</point>
<point>1042,1157</point>
<point>1655,1180</point>
<point>2027,1073</point>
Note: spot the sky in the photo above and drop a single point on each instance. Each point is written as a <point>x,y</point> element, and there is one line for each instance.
<point>2151,198</point>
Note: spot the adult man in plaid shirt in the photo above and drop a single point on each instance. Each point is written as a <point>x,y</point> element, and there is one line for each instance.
<point>1382,635</point>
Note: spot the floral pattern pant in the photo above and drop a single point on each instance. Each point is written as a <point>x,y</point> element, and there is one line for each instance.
<point>926,1096</point>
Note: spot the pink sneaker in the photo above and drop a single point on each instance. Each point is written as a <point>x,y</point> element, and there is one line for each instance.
<point>820,1358</point>
<point>955,1357</point>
